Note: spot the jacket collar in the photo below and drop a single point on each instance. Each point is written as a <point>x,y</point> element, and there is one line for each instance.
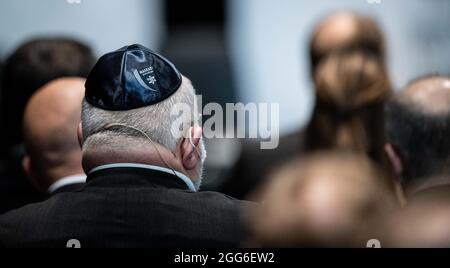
<point>66,182</point>
<point>131,174</point>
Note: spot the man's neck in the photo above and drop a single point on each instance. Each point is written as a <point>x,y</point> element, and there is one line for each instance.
<point>424,184</point>
<point>93,159</point>
<point>79,178</point>
<point>56,173</point>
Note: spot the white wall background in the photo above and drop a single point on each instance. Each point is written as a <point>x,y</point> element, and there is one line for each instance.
<point>268,38</point>
<point>105,24</point>
<point>269,41</point>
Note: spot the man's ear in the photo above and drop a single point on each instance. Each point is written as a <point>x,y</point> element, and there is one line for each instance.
<point>26,165</point>
<point>189,151</point>
<point>394,158</point>
<point>80,134</point>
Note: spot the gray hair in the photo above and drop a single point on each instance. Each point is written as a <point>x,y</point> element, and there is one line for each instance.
<point>157,121</point>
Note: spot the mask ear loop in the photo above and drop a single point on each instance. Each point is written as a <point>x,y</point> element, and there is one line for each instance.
<point>109,126</point>
<point>192,143</point>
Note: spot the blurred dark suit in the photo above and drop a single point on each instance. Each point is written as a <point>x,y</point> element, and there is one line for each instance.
<point>15,187</point>
<point>127,207</point>
<point>29,67</point>
<point>254,164</point>
<point>69,188</point>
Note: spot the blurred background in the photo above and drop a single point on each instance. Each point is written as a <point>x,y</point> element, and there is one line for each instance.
<point>236,50</point>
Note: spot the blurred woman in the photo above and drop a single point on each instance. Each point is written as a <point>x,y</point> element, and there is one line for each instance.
<point>351,84</point>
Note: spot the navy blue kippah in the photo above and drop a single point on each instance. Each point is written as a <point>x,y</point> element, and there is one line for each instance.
<point>130,78</point>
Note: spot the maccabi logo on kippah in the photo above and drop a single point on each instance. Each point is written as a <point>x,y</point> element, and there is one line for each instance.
<point>139,78</point>
<point>145,77</point>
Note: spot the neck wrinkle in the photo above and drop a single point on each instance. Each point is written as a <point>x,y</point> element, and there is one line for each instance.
<point>427,183</point>
<point>93,159</point>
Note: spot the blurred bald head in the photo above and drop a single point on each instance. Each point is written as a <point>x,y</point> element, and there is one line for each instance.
<point>336,30</point>
<point>418,127</point>
<point>325,200</point>
<point>343,32</point>
<point>50,131</point>
<point>429,95</point>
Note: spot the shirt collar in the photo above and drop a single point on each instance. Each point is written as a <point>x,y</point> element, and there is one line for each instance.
<point>180,175</point>
<point>74,179</point>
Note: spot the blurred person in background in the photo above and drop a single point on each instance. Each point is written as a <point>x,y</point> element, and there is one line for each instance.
<point>423,223</point>
<point>142,179</point>
<point>52,153</point>
<point>418,131</point>
<point>348,68</point>
<point>351,86</point>
<point>28,68</point>
<point>328,199</point>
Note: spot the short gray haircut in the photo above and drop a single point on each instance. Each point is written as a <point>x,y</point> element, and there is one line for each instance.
<point>155,120</point>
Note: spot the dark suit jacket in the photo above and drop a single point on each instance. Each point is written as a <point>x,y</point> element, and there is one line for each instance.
<point>127,207</point>
<point>69,188</point>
